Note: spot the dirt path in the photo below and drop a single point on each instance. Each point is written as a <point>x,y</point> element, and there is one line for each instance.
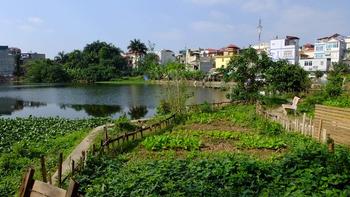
<point>77,152</point>
<point>83,146</point>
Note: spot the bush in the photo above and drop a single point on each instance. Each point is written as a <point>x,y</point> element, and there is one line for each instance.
<point>164,108</point>
<point>123,124</point>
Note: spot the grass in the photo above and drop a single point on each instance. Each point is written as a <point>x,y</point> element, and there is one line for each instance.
<point>126,81</point>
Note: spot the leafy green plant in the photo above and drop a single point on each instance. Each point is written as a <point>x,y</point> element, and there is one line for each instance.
<point>171,142</point>
<point>123,124</point>
<point>259,141</point>
<point>24,140</point>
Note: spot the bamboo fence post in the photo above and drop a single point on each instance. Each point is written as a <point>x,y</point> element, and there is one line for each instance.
<point>106,138</point>
<point>330,143</point>
<point>319,130</point>
<point>93,149</point>
<point>60,160</point>
<point>83,158</point>
<point>73,167</point>
<point>324,135</point>
<point>50,178</point>
<point>27,183</point>
<point>303,124</point>
<point>43,169</point>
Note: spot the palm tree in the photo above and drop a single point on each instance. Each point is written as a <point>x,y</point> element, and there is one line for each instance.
<point>61,57</point>
<point>138,48</point>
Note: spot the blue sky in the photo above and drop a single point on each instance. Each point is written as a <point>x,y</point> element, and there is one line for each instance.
<point>50,26</point>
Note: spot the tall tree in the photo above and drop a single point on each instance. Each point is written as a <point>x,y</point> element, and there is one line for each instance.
<point>138,48</point>
<point>61,57</point>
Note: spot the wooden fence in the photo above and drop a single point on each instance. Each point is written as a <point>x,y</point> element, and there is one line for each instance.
<point>304,125</point>
<point>335,120</point>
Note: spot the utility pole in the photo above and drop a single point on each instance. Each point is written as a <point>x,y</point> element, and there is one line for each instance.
<point>260,28</point>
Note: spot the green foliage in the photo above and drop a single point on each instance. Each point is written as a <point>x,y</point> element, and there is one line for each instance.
<point>261,142</point>
<point>334,85</point>
<point>46,71</point>
<point>171,142</point>
<point>284,77</point>
<point>318,74</point>
<point>244,70</point>
<point>164,107</point>
<point>123,124</point>
<point>305,168</point>
<point>23,141</point>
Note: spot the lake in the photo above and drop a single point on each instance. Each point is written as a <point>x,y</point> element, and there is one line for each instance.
<point>98,100</point>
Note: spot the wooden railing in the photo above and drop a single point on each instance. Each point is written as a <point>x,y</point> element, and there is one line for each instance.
<point>303,125</point>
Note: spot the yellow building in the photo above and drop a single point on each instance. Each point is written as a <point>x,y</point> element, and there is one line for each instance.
<point>224,56</point>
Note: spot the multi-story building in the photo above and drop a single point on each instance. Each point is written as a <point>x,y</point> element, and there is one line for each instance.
<point>347,52</point>
<point>313,64</point>
<point>7,61</point>
<point>332,47</point>
<point>225,55</point>
<point>285,49</point>
<point>262,47</point>
<point>26,57</point>
<point>166,56</point>
<point>307,51</point>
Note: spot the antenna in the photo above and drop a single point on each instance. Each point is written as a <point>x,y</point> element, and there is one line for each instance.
<point>260,28</point>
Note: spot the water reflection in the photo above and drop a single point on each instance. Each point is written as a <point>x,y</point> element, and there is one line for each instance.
<point>138,112</point>
<point>95,110</point>
<point>10,105</point>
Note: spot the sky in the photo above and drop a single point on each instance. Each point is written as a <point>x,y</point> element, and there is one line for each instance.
<point>50,26</point>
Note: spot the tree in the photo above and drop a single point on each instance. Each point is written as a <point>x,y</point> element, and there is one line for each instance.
<point>137,47</point>
<point>46,71</point>
<point>61,58</point>
<point>247,70</point>
<point>18,69</point>
<point>284,77</point>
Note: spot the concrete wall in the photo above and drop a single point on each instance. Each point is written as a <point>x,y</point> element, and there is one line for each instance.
<point>7,62</point>
<point>315,64</point>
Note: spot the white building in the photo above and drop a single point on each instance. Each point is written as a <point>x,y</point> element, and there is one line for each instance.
<point>332,47</point>
<point>7,61</point>
<point>166,56</point>
<point>313,65</point>
<point>347,53</point>
<point>264,46</point>
<point>285,49</point>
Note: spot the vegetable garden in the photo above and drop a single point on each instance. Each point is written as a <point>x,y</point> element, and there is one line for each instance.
<point>24,141</point>
<point>242,154</point>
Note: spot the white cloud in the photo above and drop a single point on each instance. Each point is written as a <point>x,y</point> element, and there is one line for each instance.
<point>209,26</point>
<point>35,20</point>
<point>260,5</point>
<point>209,2</point>
<point>170,35</point>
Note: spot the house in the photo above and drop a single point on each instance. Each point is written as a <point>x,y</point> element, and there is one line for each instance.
<point>26,57</point>
<point>225,55</point>
<point>7,61</point>
<point>315,64</point>
<point>332,47</point>
<point>347,52</point>
<point>285,49</point>
<point>261,47</point>
<point>131,59</point>
<point>166,56</point>
<point>307,51</point>
<point>197,59</point>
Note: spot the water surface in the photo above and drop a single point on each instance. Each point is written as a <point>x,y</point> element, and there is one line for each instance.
<point>99,100</point>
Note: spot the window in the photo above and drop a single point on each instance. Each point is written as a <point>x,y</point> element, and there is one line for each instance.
<point>319,48</point>
<point>288,54</point>
<point>310,63</point>
<point>321,63</point>
<point>306,63</point>
<point>329,46</point>
<point>318,55</point>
